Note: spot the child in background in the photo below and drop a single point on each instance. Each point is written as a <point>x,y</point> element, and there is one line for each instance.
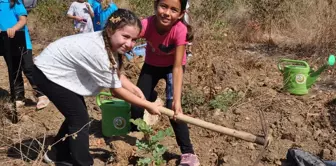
<point>102,10</point>
<point>81,12</point>
<point>16,20</point>
<point>166,36</point>
<point>187,21</point>
<point>82,65</point>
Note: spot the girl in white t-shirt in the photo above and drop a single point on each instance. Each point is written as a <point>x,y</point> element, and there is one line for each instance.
<point>82,65</point>
<point>82,13</point>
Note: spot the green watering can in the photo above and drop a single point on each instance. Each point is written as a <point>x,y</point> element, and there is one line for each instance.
<point>297,75</point>
<point>115,115</point>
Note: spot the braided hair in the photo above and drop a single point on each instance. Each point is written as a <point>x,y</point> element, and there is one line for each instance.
<point>118,20</point>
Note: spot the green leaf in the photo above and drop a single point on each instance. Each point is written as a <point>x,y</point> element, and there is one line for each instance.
<point>142,126</point>
<point>159,136</point>
<point>144,161</point>
<point>159,150</point>
<point>159,161</point>
<point>169,131</point>
<point>141,145</point>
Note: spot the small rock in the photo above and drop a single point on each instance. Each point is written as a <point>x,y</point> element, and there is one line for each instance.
<point>288,136</point>
<point>269,157</point>
<point>273,126</point>
<point>334,152</point>
<point>261,84</point>
<point>317,133</point>
<point>237,111</point>
<point>325,134</point>
<point>278,162</point>
<point>25,118</point>
<point>250,146</point>
<point>217,112</point>
<point>247,118</point>
<point>234,144</point>
<point>326,153</point>
<point>226,159</point>
<point>239,73</point>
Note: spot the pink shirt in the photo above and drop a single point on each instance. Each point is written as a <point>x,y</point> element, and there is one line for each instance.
<point>160,49</point>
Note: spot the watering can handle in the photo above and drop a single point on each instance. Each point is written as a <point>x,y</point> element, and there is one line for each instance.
<point>293,61</point>
<point>101,94</point>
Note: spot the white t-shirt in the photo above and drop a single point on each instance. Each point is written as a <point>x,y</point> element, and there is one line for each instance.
<point>79,63</point>
<point>80,9</point>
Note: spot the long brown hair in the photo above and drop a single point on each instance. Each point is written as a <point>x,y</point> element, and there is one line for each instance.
<point>118,20</point>
<point>190,34</point>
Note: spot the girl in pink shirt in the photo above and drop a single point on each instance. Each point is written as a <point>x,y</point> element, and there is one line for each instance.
<point>166,34</point>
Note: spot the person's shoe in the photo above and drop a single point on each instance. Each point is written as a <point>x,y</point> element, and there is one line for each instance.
<point>48,160</point>
<point>189,159</point>
<point>42,102</point>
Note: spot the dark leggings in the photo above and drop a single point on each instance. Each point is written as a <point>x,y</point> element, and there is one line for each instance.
<point>148,79</point>
<point>22,60</point>
<point>73,108</point>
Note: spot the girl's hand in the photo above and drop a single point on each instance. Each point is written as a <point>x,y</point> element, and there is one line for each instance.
<point>153,108</point>
<point>79,18</point>
<point>87,5</point>
<point>11,32</point>
<point>138,92</point>
<point>177,108</point>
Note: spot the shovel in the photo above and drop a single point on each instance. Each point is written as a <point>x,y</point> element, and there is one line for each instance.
<point>227,131</point>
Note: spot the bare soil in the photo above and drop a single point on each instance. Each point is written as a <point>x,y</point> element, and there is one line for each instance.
<point>307,122</point>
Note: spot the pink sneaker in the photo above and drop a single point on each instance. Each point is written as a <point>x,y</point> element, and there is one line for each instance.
<point>189,159</point>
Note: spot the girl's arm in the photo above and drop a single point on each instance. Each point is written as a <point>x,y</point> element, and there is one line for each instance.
<point>88,6</point>
<point>124,94</point>
<point>19,25</point>
<point>75,17</point>
<point>127,84</point>
<point>177,79</point>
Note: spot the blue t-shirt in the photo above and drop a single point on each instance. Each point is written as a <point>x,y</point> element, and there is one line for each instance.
<point>12,17</point>
<point>100,15</point>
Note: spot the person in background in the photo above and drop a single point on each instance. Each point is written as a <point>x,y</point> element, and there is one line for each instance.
<point>187,20</point>
<point>167,34</point>
<point>102,10</point>
<point>13,19</point>
<point>82,65</point>
<point>81,12</point>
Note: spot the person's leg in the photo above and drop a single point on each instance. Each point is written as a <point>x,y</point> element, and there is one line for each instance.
<point>16,55</point>
<point>72,106</point>
<point>27,67</point>
<point>180,128</point>
<point>146,82</point>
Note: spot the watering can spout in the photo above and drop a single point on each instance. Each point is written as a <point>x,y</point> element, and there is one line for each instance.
<point>315,74</point>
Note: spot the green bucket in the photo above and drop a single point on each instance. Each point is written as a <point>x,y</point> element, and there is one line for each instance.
<point>115,115</point>
<point>295,74</point>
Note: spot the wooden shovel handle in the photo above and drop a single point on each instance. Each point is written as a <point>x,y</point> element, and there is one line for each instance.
<point>227,131</point>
